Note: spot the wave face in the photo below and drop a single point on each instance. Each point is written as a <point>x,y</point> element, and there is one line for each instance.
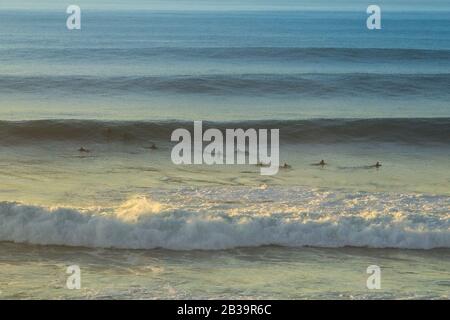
<point>395,55</point>
<point>221,218</point>
<point>410,131</point>
<point>304,85</point>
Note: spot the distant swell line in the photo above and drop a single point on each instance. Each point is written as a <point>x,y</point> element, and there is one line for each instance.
<point>226,53</point>
<point>436,86</point>
<point>409,131</point>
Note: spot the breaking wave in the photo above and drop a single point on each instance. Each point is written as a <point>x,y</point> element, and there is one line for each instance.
<point>217,220</point>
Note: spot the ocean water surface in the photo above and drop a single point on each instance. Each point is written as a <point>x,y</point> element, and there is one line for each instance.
<point>141,227</point>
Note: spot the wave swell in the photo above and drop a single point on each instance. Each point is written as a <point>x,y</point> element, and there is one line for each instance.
<point>303,85</point>
<point>410,131</point>
<point>223,53</point>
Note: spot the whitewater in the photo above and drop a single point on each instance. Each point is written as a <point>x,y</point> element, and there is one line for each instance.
<point>140,227</point>
<point>224,218</point>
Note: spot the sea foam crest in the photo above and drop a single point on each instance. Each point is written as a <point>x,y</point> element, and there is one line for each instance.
<point>313,219</point>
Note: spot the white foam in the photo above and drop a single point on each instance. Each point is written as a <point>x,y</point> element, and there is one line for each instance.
<point>220,218</point>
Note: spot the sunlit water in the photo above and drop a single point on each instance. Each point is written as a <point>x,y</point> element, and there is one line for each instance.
<point>248,273</point>
<point>141,227</point>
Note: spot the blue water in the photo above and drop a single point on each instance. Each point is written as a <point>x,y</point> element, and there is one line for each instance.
<point>223,65</point>
<point>259,69</point>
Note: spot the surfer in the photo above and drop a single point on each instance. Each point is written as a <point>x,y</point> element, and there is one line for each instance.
<point>152,147</point>
<point>285,166</point>
<point>82,149</point>
<point>321,163</point>
<point>262,164</point>
<point>376,165</point>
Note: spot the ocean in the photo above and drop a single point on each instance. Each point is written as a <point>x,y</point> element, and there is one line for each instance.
<point>141,227</point>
